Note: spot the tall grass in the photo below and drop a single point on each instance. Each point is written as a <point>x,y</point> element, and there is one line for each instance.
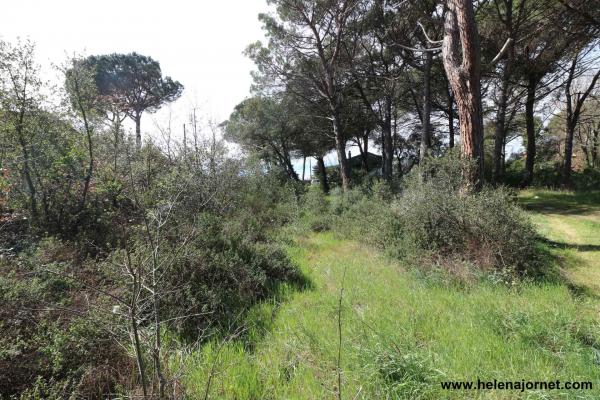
<point>402,335</point>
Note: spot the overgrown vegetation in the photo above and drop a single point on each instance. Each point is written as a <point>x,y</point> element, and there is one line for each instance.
<point>433,221</point>
<point>208,265</point>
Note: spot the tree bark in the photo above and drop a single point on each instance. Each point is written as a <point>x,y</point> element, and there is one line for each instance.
<point>451,133</point>
<point>460,50</point>
<point>570,127</point>
<point>138,130</point>
<point>388,145</point>
<point>323,174</point>
<point>567,163</point>
<point>340,147</point>
<point>426,133</point>
<point>573,114</point>
<point>500,128</point>
<point>530,127</point>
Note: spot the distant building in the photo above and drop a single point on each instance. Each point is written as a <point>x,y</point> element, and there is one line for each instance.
<point>361,166</point>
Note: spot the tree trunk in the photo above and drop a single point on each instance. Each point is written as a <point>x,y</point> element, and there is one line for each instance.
<point>388,145</point>
<point>460,51</point>
<point>450,120</point>
<point>573,114</point>
<point>530,127</point>
<point>290,170</point>
<point>285,155</point>
<point>363,155</point>
<point>500,128</point>
<point>570,127</point>
<point>595,145</point>
<point>303,168</point>
<point>340,147</point>
<point>567,163</point>
<point>26,165</point>
<point>426,134</point>
<point>323,174</point>
<point>138,131</point>
<point>137,346</point>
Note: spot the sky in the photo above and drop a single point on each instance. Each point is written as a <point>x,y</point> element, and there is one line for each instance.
<point>198,43</point>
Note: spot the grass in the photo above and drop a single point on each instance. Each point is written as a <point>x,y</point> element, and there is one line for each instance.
<point>570,222</point>
<point>402,333</point>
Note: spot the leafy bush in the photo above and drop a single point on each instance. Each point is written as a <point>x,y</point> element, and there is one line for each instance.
<point>435,217</point>
<point>548,175</point>
<point>316,212</point>
<point>47,342</point>
<point>219,275</point>
<point>433,220</point>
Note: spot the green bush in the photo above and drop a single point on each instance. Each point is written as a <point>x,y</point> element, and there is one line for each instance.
<point>316,211</point>
<point>434,221</point>
<point>435,217</point>
<point>548,175</point>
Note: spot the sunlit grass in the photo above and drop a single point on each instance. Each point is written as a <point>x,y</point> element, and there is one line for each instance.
<point>570,221</point>
<point>401,335</point>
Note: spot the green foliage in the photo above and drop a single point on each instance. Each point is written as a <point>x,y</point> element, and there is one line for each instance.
<point>219,276</point>
<point>316,214</point>
<point>548,175</point>
<point>434,221</point>
<point>436,218</point>
<point>401,335</point>
<point>406,375</point>
<point>131,82</point>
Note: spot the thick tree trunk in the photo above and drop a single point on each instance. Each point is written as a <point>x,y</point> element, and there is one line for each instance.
<point>571,123</point>
<point>363,154</point>
<point>426,134</point>
<point>530,127</point>
<point>461,61</point>
<point>290,170</point>
<point>323,174</point>
<point>289,167</point>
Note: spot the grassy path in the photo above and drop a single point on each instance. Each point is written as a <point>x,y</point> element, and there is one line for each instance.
<point>403,334</point>
<point>571,223</point>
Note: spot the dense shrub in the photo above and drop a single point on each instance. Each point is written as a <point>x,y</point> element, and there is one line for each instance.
<point>316,212</point>
<point>219,275</point>
<point>48,342</point>
<point>433,220</point>
<point>65,319</point>
<point>548,174</point>
<point>435,217</point>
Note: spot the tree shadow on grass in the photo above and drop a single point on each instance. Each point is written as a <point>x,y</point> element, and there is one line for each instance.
<point>576,203</point>
<point>250,323</point>
<point>581,291</point>
<point>574,246</point>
